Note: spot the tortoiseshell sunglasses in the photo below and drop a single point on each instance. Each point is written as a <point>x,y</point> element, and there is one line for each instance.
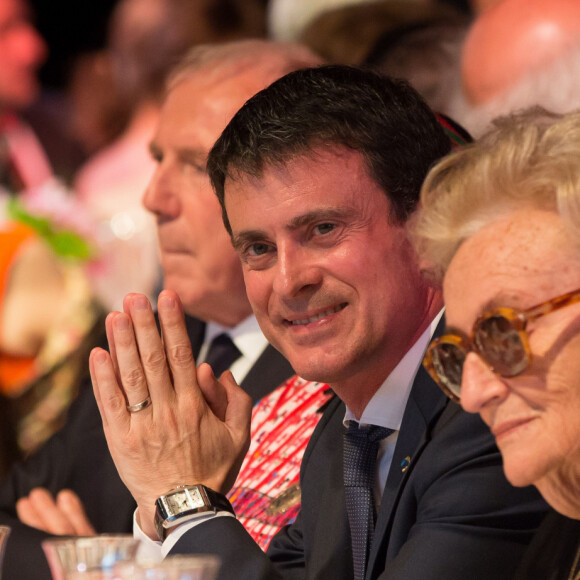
<point>499,337</point>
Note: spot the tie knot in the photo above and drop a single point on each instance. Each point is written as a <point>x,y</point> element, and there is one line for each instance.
<point>222,340</point>
<point>222,353</point>
<point>361,445</point>
<point>370,433</point>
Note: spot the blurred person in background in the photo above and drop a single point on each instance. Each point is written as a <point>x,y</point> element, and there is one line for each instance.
<point>351,34</point>
<point>34,144</point>
<point>500,220</point>
<point>288,19</point>
<point>425,50</point>
<point>517,54</point>
<point>97,116</point>
<point>146,38</point>
<point>23,162</point>
<point>419,42</point>
<point>46,307</point>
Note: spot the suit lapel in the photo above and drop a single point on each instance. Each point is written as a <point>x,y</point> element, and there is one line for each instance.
<point>425,404</point>
<point>268,372</point>
<point>325,528</point>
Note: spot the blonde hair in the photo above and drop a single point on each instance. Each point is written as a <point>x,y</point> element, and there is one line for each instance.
<point>527,159</point>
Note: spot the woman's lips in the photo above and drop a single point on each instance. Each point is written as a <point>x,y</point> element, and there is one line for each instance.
<point>507,427</point>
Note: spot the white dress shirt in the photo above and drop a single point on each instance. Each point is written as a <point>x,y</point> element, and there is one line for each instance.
<point>387,406</point>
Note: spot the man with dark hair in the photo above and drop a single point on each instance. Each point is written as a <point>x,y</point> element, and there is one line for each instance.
<point>317,175</point>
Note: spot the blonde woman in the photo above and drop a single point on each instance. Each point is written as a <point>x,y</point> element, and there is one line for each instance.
<point>500,223</point>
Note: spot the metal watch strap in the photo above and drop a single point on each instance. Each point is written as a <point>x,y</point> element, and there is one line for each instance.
<point>212,502</point>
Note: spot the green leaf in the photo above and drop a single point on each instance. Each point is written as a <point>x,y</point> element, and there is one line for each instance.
<point>65,243</point>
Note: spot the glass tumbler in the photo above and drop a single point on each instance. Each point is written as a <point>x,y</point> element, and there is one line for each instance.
<point>88,558</point>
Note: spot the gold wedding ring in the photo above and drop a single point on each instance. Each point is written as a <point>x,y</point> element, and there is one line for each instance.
<point>139,406</point>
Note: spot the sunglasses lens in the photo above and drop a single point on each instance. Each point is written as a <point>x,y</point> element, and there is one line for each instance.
<point>500,344</point>
<point>448,362</point>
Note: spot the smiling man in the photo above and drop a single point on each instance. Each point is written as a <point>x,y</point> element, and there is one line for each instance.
<point>317,176</point>
<point>312,270</point>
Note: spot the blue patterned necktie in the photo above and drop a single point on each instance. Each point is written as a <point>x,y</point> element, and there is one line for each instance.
<point>222,353</point>
<point>361,446</point>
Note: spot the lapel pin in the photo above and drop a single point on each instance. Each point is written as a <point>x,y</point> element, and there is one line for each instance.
<point>405,464</point>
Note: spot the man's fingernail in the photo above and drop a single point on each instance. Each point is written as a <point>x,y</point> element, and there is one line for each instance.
<point>168,301</point>
<point>121,323</point>
<point>100,356</point>
<point>140,303</point>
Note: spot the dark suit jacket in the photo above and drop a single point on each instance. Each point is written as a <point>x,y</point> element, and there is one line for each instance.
<point>450,514</point>
<point>78,458</point>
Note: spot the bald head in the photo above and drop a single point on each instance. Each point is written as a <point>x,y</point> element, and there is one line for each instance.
<point>513,39</point>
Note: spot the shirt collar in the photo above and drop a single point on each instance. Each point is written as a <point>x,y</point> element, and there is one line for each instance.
<point>387,405</point>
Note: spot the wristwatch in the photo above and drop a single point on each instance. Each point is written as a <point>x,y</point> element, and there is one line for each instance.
<point>185,503</point>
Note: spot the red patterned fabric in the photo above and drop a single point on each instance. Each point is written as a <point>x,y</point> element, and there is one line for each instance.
<point>266,495</point>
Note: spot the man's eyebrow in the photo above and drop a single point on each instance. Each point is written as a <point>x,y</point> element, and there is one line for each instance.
<point>247,237</point>
<point>183,152</point>
<point>327,213</point>
<point>252,236</point>
<point>195,155</point>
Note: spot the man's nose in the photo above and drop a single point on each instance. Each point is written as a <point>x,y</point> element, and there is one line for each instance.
<point>160,197</point>
<point>296,271</point>
<point>479,384</point>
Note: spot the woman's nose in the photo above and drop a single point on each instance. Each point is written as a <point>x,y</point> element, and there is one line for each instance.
<point>479,384</point>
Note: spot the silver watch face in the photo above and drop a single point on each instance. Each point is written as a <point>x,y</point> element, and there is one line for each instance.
<point>184,499</point>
